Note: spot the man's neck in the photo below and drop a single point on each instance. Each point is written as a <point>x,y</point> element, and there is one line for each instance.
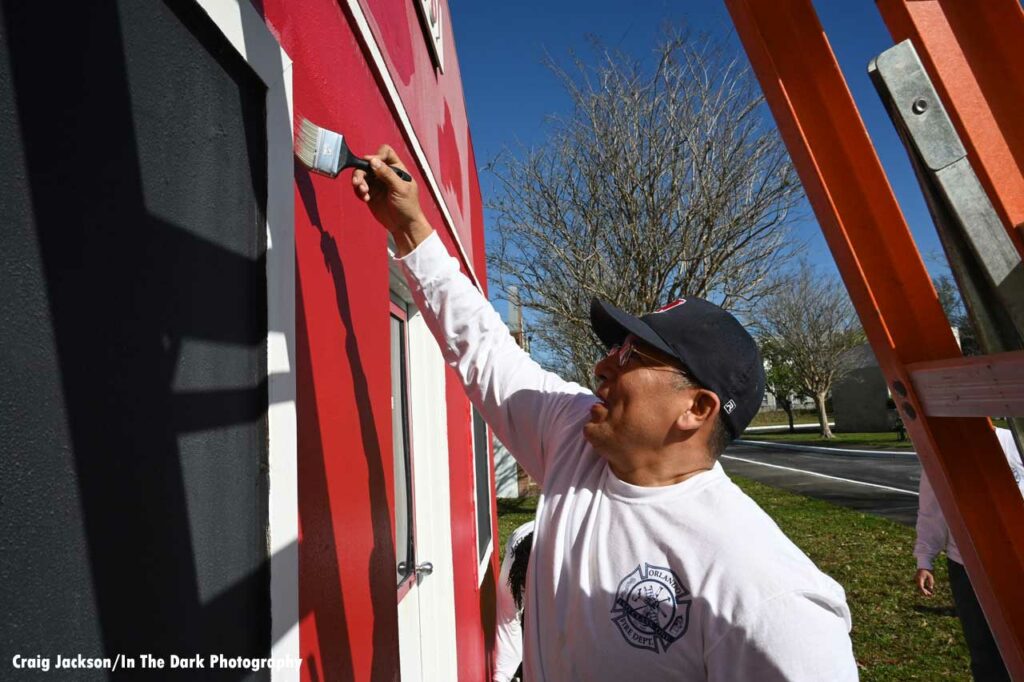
<point>662,472</point>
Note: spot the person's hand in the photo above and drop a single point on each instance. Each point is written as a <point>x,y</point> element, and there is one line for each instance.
<point>394,202</point>
<point>925,582</point>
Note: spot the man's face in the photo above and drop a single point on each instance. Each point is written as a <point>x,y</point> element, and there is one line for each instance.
<point>640,402</point>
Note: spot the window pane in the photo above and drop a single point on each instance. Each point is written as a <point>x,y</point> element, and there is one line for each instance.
<point>399,435</point>
<point>483,483</point>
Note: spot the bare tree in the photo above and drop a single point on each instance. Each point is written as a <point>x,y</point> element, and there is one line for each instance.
<point>780,379</point>
<point>665,181</point>
<point>807,325</point>
<point>956,313</point>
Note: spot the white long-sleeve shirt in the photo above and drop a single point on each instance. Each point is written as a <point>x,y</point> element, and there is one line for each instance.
<point>932,532</point>
<point>691,581</point>
<point>508,636</point>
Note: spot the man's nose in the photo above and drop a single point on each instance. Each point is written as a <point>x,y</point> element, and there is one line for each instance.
<point>605,367</point>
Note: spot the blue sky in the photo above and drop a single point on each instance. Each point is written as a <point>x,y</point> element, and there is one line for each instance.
<point>509,92</point>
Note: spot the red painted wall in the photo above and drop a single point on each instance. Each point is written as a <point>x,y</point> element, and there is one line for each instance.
<point>435,103</point>
<point>348,626</point>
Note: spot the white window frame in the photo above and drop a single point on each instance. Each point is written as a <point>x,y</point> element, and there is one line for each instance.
<point>406,310</point>
<point>432,17</point>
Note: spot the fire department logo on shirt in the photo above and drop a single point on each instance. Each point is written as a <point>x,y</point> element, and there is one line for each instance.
<point>652,608</point>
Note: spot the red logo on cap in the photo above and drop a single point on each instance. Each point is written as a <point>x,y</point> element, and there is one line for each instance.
<point>674,304</point>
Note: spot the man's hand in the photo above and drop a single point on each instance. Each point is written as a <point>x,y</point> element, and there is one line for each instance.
<point>925,582</point>
<point>394,202</point>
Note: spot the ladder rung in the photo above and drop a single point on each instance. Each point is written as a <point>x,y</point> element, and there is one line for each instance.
<point>979,386</point>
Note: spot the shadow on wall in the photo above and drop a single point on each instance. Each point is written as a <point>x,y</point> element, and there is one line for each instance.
<point>133,423</point>
<point>134,419</point>
<point>381,567</point>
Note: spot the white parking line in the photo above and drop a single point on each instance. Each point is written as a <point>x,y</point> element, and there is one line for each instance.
<point>815,473</point>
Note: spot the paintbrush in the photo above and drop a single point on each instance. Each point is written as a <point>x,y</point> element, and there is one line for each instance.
<point>324,151</point>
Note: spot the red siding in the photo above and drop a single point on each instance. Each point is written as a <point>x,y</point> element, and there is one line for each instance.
<point>348,627</point>
<point>435,104</point>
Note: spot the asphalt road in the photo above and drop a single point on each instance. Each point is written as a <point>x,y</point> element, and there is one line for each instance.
<point>886,486</point>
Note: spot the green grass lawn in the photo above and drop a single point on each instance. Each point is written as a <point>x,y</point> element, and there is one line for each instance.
<point>885,440</point>
<point>513,513</point>
<point>897,635</point>
<point>776,417</point>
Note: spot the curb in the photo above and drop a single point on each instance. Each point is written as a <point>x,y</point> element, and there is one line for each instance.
<point>886,454</point>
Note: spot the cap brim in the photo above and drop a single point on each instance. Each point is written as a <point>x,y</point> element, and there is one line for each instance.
<point>612,325</point>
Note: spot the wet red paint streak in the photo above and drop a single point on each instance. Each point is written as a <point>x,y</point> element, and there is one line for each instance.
<point>451,158</point>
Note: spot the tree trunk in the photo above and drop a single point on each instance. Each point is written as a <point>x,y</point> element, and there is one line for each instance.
<point>787,407</point>
<point>819,402</point>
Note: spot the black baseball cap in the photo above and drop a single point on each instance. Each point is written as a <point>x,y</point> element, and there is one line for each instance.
<point>718,352</point>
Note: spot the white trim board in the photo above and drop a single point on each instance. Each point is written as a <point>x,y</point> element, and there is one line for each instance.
<point>382,70</point>
<point>248,33</point>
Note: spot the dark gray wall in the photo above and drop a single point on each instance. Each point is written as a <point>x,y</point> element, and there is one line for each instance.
<point>133,446</point>
<point>859,398</point>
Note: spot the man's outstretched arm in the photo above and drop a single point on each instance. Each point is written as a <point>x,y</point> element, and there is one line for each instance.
<point>520,400</point>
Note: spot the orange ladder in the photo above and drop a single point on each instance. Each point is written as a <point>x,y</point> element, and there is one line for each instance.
<point>971,52</point>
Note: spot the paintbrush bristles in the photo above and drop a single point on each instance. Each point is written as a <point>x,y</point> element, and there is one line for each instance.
<point>320,150</point>
<point>305,142</point>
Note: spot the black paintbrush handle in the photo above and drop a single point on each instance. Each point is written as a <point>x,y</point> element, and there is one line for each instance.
<point>363,164</point>
<point>401,173</point>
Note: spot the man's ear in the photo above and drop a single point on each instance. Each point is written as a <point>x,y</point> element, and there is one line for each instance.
<point>703,409</point>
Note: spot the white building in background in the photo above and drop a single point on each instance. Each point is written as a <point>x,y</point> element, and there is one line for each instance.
<point>507,472</point>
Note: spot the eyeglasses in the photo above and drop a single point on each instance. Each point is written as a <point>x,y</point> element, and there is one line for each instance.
<point>625,351</point>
